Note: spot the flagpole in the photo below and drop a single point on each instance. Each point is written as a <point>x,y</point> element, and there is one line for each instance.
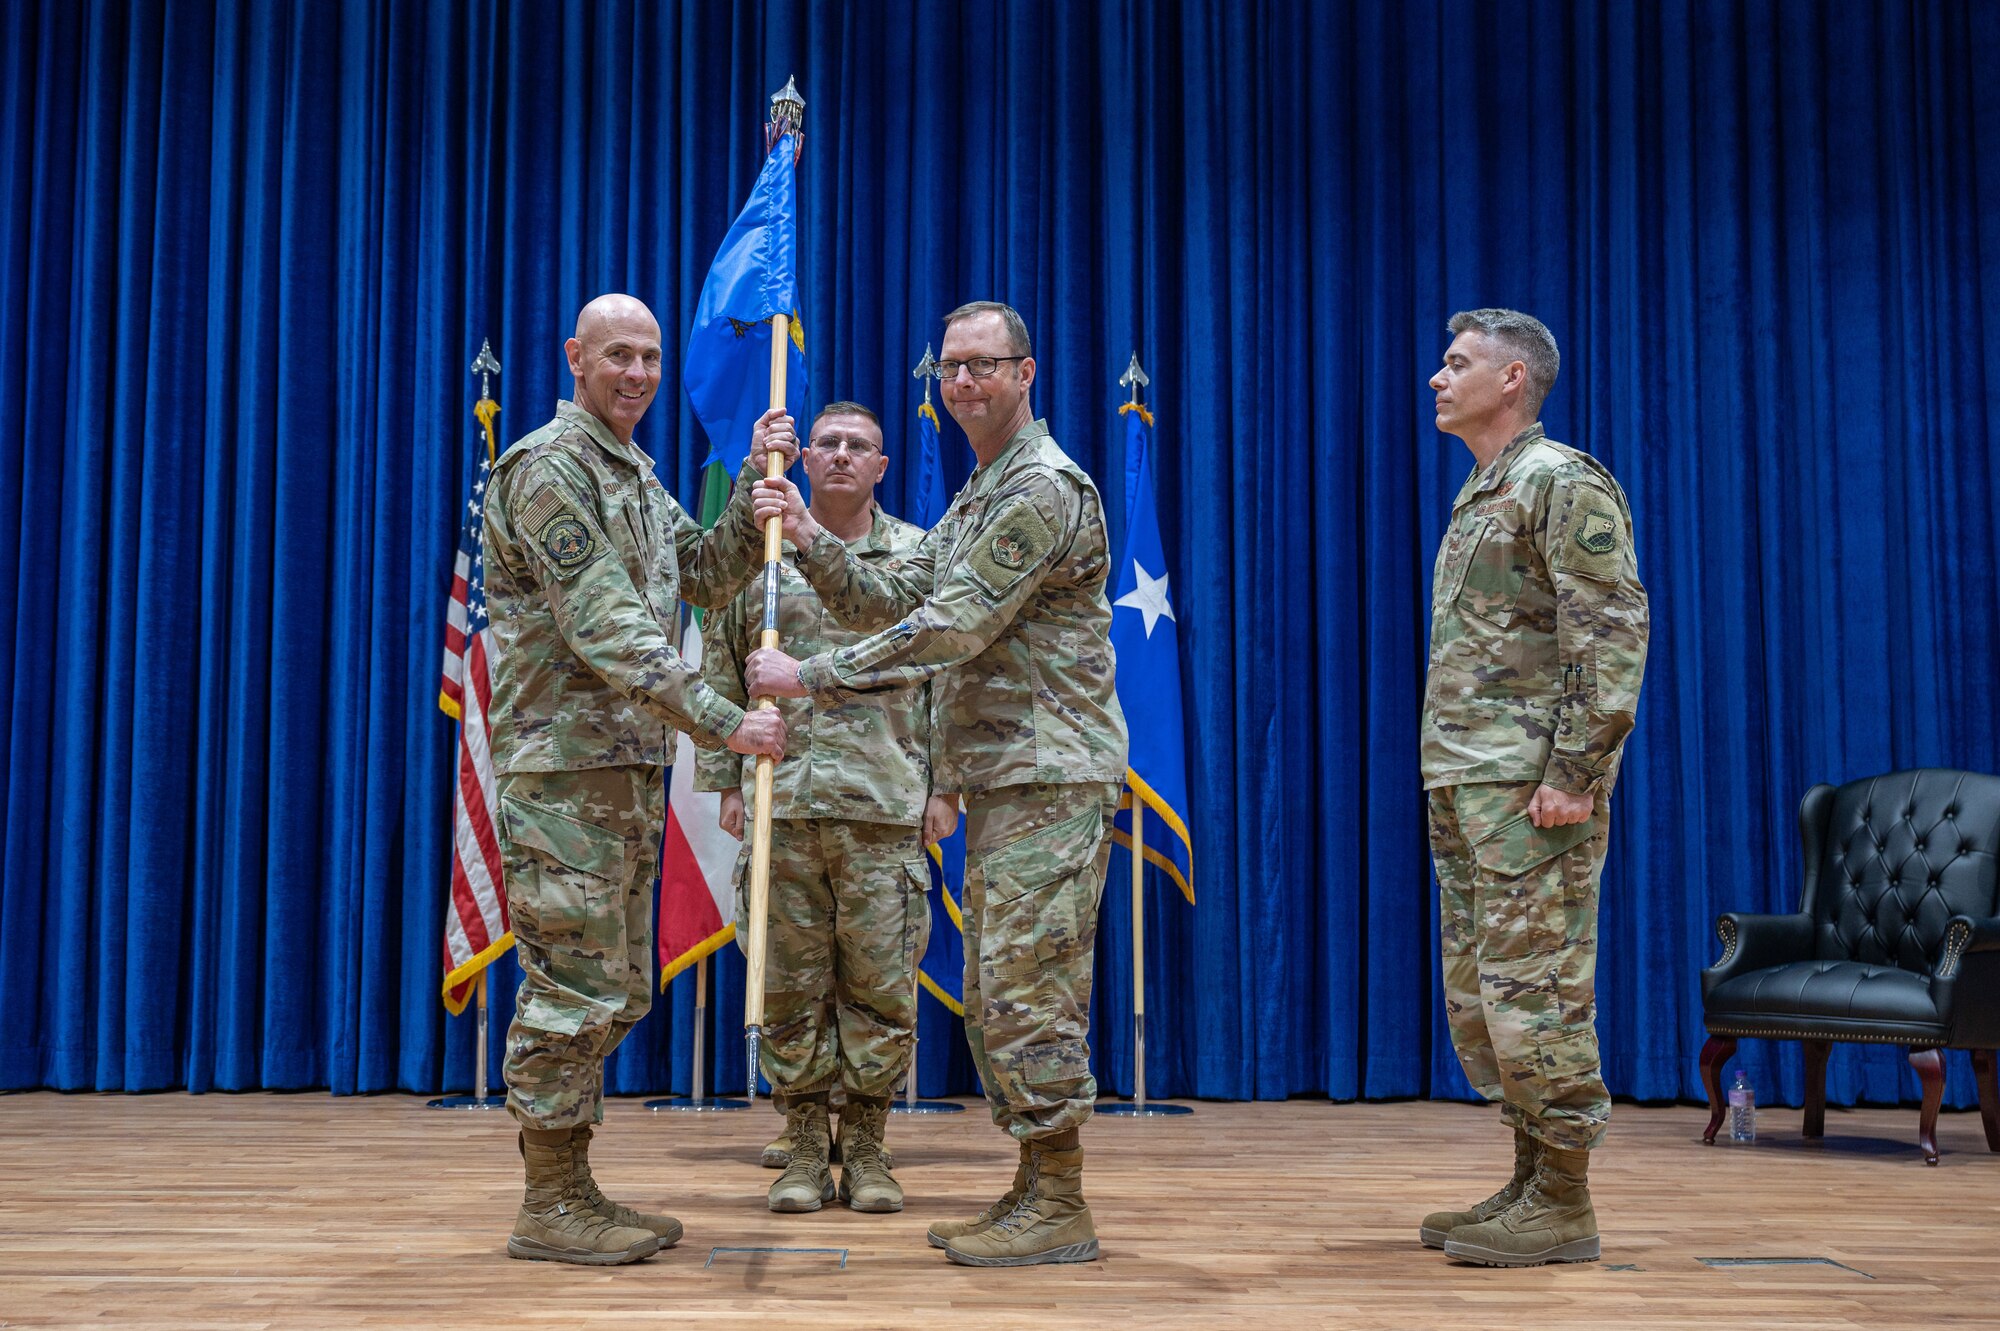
<point>1138,954</point>
<point>787,116</point>
<point>1135,378</point>
<point>697,1100</point>
<point>485,411</point>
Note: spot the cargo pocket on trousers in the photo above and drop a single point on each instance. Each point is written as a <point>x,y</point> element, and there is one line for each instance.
<point>572,905</point>
<point>1570,1055</point>
<point>544,1013</point>
<point>1528,900</point>
<point>1056,1064</point>
<point>1033,917</point>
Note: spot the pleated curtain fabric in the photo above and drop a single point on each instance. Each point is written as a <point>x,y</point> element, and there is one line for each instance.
<point>247,251</point>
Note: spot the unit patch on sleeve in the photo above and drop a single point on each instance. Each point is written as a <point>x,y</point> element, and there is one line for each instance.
<point>1016,541</point>
<point>565,539</point>
<point>1595,547</point>
<point>1598,532</point>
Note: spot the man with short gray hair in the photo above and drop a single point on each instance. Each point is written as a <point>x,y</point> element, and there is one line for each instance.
<point>1538,644</point>
<point>1002,609</point>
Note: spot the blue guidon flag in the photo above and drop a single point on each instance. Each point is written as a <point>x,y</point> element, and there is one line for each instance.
<point>1144,634</point>
<point>943,969</point>
<point>727,372</point>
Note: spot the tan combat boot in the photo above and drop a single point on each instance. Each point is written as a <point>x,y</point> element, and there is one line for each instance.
<point>555,1224</point>
<point>1051,1223</point>
<point>665,1227</point>
<point>778,1151</point>
<point>944,1231</point>
<point>865,1181</point>
<point>1553,1221</point>
<point>807,1182</point>
<point>1438,1225</point>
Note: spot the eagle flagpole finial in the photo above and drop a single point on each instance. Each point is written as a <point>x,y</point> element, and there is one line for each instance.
<point>485,365</point>
<point>1134,378</point>
<point>926,370</point>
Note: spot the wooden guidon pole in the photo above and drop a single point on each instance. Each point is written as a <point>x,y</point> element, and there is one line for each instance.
<point>787,117</point>
<point>760,831</point>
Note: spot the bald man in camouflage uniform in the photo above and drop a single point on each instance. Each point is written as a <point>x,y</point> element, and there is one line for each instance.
<point>1538,644</point>
<point>1002,607</point>
<point>849,916</point>
<point>587,558</point>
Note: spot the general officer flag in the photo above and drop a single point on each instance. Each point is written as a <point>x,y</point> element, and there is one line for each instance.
<point>1144,634</point>
<point>943,970</point>
<point>727,373</point>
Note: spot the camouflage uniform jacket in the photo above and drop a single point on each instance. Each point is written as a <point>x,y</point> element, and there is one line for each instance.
<point>587,558</point>
<point>1001,605</point>
<point>862,756</point>
<point>1538,625</point>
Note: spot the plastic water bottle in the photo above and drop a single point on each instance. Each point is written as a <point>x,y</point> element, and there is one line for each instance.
<point>1742,1110</point>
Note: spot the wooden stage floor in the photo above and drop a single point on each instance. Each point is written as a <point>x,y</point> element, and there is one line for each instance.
<point>303,1210</point>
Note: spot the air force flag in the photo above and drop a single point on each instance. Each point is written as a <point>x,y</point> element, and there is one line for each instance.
<point>1144,628</point>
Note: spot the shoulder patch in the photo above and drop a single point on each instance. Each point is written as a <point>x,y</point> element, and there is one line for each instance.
<point>1598,532</point>
<point>1593,545</point>
<point>564,538</point>
<point>1014,542</point>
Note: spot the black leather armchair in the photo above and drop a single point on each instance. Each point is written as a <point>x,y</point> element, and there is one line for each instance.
<point>1896,941</point>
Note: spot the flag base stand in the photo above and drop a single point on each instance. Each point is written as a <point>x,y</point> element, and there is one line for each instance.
<point>467,1102</point>
<point>1141,1109</point>
<point>925,1107</point>
<point>688,1104</point>
<point>479,1099</point>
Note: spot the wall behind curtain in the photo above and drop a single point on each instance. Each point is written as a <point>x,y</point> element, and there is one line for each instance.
<point>247,250</point>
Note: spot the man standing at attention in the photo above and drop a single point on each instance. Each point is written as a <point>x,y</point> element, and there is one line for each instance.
<point>848,913</point>
<point>1005,597</point>
<point>1538,643</point>
<point>587,558</point>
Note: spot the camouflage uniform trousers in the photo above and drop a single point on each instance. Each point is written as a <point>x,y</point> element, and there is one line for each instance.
<point>581,853</point>
<point>1035,862</point>
<point>1518,926</point>
<point>848,920</point>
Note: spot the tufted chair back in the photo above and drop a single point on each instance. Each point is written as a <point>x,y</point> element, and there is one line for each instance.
<point>1899,855</point>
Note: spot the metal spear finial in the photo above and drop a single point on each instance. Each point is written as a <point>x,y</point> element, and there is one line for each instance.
<point>1134,378</point>
<point>485,365</point>
<point>788,116</point>
<point>927,371</point>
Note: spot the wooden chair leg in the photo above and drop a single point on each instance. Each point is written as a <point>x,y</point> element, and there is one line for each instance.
<point>1983,1076</point>
<point>1929,1064</point>
<point>1816,1056</point>
<point>1713,1055</point>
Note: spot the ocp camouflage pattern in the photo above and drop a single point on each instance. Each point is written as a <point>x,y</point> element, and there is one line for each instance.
<point>849,917</point>
<point>1538,625</point>
<point>1518,933</point>
<point>580,853</point>
<point>854,755</point>
<point>1002,604</point>
<point>1035,860</point>
<point>587,558</point>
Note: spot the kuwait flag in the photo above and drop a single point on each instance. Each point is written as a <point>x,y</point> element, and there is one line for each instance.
<point>697,858</point>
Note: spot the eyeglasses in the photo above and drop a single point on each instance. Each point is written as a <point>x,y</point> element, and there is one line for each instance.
<point>857,449</point>
<point>980,367</point>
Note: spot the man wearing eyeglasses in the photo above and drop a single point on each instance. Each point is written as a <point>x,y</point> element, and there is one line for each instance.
<point>851,810</point>
<point>1002,606</point>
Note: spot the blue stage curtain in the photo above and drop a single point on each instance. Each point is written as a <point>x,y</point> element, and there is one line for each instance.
<point>247,251</point>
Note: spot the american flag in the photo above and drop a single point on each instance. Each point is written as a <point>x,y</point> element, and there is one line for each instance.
<point>475,919</point>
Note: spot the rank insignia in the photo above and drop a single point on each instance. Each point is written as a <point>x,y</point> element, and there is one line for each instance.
<point>1599,532</point>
